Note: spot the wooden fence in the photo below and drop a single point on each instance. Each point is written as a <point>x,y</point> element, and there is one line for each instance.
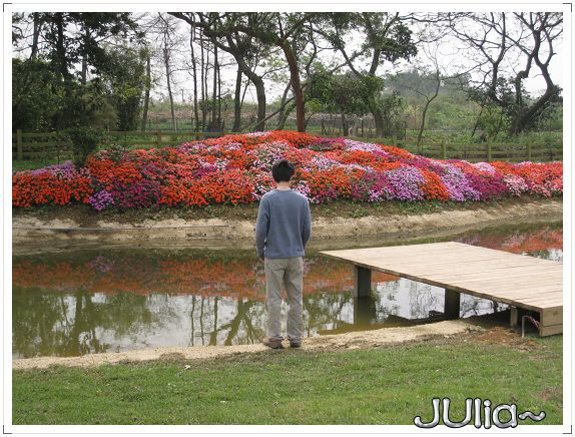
<point>488,152</point>
<point>53,146</point>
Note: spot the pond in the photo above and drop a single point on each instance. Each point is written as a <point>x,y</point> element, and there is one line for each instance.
<point>87,302</point>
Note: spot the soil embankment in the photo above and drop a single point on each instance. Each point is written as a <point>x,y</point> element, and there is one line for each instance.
<point>32,234</point>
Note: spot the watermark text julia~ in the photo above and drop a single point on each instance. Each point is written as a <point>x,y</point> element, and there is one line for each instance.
<point>482,413</point>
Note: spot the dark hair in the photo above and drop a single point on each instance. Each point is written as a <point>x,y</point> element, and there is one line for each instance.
<point>282,171</point>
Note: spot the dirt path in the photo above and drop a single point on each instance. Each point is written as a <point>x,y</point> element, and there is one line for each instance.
<point>31,234</point>
<point>351,340</point>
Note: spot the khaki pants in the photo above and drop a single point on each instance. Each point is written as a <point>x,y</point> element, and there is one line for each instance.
<point>289,272</point>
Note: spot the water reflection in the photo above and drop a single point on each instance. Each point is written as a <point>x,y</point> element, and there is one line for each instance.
<point>75,304</point>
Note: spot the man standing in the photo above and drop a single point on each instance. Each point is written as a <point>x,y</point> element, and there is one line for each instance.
<point>283,228</point>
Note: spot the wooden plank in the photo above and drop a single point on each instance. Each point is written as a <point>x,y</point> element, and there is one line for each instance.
<point>496,273</point>
<point>543,302</point>
<point>474,275</point>
<point>416,254</point>
<point>552,316</point>
<point>45,146</point>
<point>443,265</point>
<point>525,297</point>
<point>518,289</point>
<point>511,282</point>
<point>513,297</point>
<point>38,134</point>
<point>540,302</point>
<point>545,331</point>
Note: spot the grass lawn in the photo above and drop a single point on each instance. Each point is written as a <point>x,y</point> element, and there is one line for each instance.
<point>387,385</point>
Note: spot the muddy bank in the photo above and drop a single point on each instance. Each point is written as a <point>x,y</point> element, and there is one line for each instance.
<point>351,340</point>
<point>32,234</point>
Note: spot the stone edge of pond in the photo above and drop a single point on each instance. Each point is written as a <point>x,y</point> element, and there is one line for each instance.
<point>33,235</point>
<point>350,340</point>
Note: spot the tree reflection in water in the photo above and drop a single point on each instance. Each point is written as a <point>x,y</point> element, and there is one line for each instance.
<point>82,303</point>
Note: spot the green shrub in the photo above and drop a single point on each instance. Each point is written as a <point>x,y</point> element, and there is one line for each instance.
<point>84,141</point>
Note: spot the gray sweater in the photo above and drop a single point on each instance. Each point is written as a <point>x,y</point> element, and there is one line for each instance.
<point>283,226</point>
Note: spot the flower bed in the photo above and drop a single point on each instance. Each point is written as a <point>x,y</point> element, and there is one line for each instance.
<point>236,169</point>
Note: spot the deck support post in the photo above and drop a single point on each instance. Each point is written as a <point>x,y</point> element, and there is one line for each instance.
<point>452,304</point>
<point>362,282</point>
<point>514,319</point>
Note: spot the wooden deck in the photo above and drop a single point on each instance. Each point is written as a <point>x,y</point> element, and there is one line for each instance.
<point>523,282</point>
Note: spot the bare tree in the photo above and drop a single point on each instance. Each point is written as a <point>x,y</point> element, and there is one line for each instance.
<point>194,75</point>
<point>219,28</point>
<point>147,88</point>
<point>507,49</point>
<point>166,41</point>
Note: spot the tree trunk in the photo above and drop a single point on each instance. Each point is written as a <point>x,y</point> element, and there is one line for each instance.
<point>282,117</point>
<point>238,102</point>
<point>148,83</point>
<point>169,84</point>
<point>220,122</point>
<point>234,48</point>
<point>206,99</point>
<point>296,85</point>
<point>215,121</point>
<point>285,112</point>
<point>202,82</point>
<point>261,97</point>
<point>422,125</point>
<point>35,35</point>
<point>258,84</point>
<point>195,77</point>
<point>425,108</point>
<point>378,121</point>
<point>524,117</point>
<point>344,125</point>
<point>476,125</point>
<point>84,74</point>
<point>60,49</point>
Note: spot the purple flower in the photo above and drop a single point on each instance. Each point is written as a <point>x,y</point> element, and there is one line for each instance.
<point>265,155</point>
<point>405,183</point>
<point>458,185</point>
<point>142,194</point>
<point>101,200</point>
<point>65,171</point>
<point>323,144</point>
<point>487,185</point>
